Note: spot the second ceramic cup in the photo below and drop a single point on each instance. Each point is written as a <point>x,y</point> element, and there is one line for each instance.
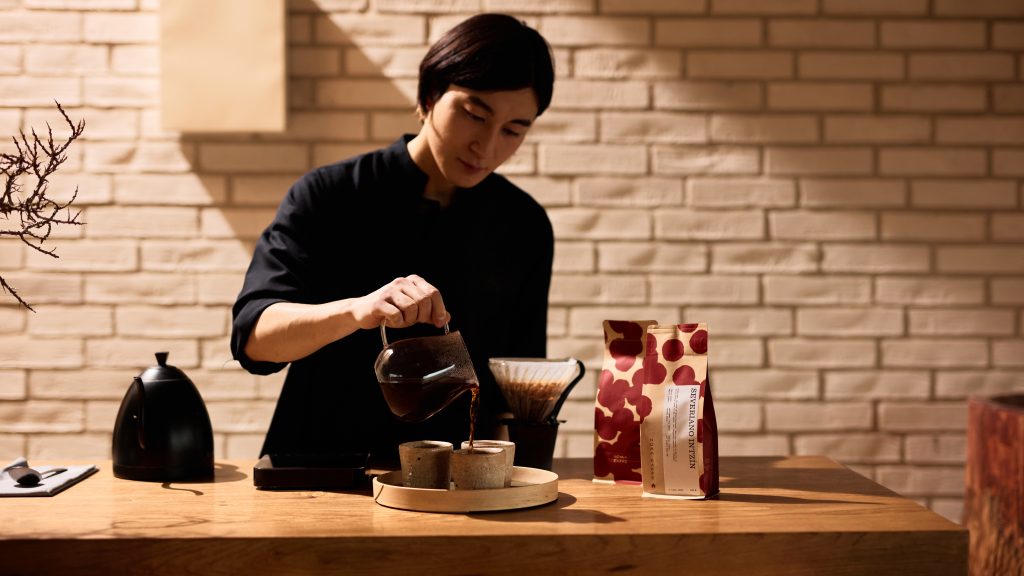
<point>425,464</point>
<point>509,449</point>
<point>479,468</point>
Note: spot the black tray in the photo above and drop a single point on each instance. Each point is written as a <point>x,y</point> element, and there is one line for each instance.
<point>310,471</point>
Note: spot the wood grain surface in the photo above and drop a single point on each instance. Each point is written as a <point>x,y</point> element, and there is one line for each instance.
<point>994,486</point>
<point>785,515</point>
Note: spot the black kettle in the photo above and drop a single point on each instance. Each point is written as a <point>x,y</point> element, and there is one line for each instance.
<point>163,431</point>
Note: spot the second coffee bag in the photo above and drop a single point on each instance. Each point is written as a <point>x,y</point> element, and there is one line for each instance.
<point>679,437</point>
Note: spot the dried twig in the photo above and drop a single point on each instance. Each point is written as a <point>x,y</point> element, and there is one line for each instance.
<point>30,214</point>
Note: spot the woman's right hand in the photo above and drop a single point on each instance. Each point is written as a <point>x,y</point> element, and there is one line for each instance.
<point>401,303</point>
<point>287,331</point>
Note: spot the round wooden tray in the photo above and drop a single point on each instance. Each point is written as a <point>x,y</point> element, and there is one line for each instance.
<point>530,487</point>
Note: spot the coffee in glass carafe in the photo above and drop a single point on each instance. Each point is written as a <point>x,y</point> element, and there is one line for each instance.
<point>421,376</point>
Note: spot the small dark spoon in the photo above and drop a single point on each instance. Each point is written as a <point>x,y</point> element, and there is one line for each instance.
<point>29,477</point>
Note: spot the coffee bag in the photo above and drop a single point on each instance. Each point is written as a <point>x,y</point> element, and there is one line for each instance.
<point>620,405</point>
<point>679,435</point>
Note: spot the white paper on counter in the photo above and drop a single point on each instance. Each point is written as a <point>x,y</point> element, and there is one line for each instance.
<point>49,485</point>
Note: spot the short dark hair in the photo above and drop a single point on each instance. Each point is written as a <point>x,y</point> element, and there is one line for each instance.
<point>488,52</point>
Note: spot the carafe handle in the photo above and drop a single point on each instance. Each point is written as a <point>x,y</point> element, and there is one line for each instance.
<point>384,336</point>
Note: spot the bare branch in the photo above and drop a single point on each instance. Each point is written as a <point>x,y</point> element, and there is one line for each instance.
<point>10,289</point>
<point>37,213</point>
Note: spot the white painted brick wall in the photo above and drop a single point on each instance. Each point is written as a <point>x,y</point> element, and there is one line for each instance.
<point>702,95</point>
<point>837,161</point>
<point>835,186</point>
<point>856,448</point>
<point>766,384</point>
<point>816,416</point>
<point>741,192</point>
<point>850,65</point>
<point>872,384</point>
<point>626,63</point>
<point>734,64</point>
<point>765,257</point>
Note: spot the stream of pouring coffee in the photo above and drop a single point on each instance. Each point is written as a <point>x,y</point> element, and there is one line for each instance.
<point>474,403</point>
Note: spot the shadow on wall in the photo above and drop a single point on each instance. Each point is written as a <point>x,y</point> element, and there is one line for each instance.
<point>350,89</point>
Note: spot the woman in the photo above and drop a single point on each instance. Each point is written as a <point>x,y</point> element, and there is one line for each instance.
<point>415,235</point>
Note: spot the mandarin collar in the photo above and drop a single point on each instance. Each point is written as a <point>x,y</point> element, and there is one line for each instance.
<point>398,161</point>
<point>414,180</point>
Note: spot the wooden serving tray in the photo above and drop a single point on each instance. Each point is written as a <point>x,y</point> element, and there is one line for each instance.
<point>530,487</point>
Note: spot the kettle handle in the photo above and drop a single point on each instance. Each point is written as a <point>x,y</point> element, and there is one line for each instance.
<point>140,391</point>
<point>384,335</point>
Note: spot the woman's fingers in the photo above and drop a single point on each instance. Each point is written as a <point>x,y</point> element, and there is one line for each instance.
<point>432,306</point>
<point>406,305</point>
<point>428,298</point>
<point>439,315</point>
<point>414,300</point>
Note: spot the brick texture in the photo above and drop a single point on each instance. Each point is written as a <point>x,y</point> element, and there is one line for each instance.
<point>822,32</point>
<point>627,63</point>
<point>835,186</point>
<point>703,32</point>
<point>867,448</point>
<point>877,384</point>
<point>765,257</point>
<point>739,65</point>
<point>708,95</point>
<point>804,290</point>
<point>642,257</point>
<point>808,416</point>
<point>738,193</point>
<point>851,65</point>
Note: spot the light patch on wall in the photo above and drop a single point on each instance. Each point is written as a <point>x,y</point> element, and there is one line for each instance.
<point>222,65</point>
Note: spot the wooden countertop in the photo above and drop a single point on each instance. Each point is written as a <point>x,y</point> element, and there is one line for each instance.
<point>776,515</point>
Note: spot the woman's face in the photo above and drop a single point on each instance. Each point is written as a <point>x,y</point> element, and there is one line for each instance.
<point>471,133</point>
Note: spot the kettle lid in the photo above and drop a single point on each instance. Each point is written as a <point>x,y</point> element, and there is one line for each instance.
<point>162,370</point>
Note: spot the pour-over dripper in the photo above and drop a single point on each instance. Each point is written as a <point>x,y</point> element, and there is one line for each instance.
<point>536,388</point>
<point>420,376</point>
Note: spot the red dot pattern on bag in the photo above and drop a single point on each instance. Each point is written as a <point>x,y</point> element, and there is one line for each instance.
<point>643,407</point>
<point>630,330</point>
<point>654,372</point>
<point>610,391</point>
<point>614,394</point>
<point>625,352</point>
<point>638,376</point>
<point>634,392</point>
<point>626,349</point>
<point>616,425</point>
<point>684,376</point>
<point>608,457</point>
<point>672,349</point>
<point>602,461</point>
<point>620,402</point>
<point>603,425</point>
<point>687,327</point>
<point>699,342</point>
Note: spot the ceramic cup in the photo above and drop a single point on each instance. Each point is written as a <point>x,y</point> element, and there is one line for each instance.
<point>425,463</point>
<point>508,447</point>
<point>478,468</point>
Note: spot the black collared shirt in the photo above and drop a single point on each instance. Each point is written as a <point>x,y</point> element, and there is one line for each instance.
<point>345,230</point>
